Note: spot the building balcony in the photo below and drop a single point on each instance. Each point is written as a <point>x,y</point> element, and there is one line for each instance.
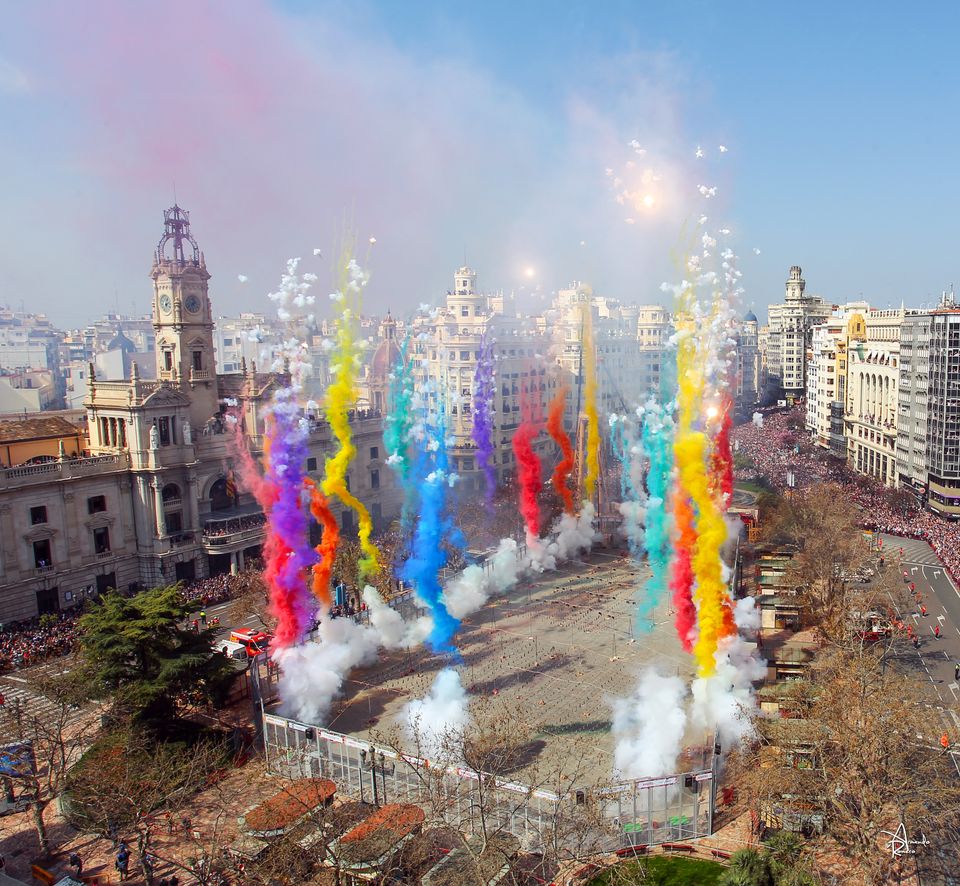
<point>104,555</point>
<point>199,375</point>
<point>65,469</point>
<point>44,570</point>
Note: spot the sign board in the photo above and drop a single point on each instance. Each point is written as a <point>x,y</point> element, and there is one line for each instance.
<point>16,760</point>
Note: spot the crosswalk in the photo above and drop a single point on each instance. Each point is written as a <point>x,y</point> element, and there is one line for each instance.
<point>19,691</point>
<point>915,552</point>
<point>937,721</point>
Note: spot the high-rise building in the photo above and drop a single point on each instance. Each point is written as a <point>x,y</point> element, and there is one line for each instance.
<point>790,336</point>
<point>928,433</point>
<point>747,351</point>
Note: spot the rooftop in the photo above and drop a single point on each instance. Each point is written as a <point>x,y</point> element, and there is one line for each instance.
<point>37,429</point>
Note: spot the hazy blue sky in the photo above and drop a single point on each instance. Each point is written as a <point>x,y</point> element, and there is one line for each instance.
<point>483,130</point>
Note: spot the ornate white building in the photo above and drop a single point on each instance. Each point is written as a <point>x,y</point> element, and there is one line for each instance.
<point>154,497</point>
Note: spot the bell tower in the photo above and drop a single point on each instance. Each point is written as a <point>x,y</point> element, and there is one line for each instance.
<point>182,317</point>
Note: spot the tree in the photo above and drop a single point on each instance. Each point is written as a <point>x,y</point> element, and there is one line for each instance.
<point>748,867</point>
<point>57,734</point>
<point>853,766</point>
<point>821,524</point>
<point>141,652</point>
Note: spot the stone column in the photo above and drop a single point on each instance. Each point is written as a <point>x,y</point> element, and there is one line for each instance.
<point>240,562</point>
<point>158,504</point>
<point>233,564</point>
<point>193,491</point>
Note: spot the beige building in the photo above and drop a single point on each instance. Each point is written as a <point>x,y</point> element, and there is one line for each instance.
<point>870,412</point>
<point>153,497</point>
<point>790,335</point>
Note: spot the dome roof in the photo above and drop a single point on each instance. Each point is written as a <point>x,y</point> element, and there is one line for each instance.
<point>750,317</point>
<point>121,343</point>
<point>384,358</point>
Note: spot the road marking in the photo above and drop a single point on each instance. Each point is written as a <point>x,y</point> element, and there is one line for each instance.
<point>913,570</point>
<point>18,679</point>
<point>936,573</point>
<point>953,688</point>
<point>940,618</point>
<point>947,657</point>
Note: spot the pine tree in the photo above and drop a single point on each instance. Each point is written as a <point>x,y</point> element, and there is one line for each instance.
<point>141,651</point>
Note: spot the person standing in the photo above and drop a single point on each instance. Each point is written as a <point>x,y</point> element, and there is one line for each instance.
<point>956,671</point>
<point>123,861</point>
<point>75,861</point>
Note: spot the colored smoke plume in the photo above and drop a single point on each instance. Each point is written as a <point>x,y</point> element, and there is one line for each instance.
<point>681,573</point>
<point>589,361</point>
<point>428,555</point>
<point>327,549</point>
<point>529,476</point>
<point>341,397</point>
<point>397,430</point>
<point>657,436</point>
<point>561,473</point>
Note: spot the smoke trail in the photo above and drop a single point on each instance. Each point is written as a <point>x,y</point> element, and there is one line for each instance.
<point>632,505</point>
<point>561,473</point>
<point>327,549</point>
<point>589,359</point>
<point>648,727</point>
<point>287,550</point>
<point>484,390</point>
<point>436,723</point>
<point>529,475</point>
<point>681,575</point>
<point>341,395</point>
<point>722,461</point>
<point>397,428</point>
<point>428,556</point>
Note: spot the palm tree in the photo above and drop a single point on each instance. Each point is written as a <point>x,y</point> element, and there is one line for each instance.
<point>748,867</point>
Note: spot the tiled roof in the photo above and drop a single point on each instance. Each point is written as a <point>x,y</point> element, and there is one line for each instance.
<point>36,429</point>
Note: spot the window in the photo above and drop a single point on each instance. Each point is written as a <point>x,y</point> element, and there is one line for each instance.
<point>464,310</point>
<point>227,342</point>
<point>311,464</point>
<point>101,540</point>
<point>374,453</point>
<point>167,361</point>
<point>197,361</point>
<point>346,481</point>
<point>96,504</point>
<point>163,428</point>
<point>174,521</point>
<point>374,479</point>
<point>38,515</point>
<point>464,355</point>
<point>41,553</point>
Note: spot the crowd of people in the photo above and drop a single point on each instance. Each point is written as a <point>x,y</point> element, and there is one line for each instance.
<point>229,525</point>
<point>24,643</point>
<point>778,452</point>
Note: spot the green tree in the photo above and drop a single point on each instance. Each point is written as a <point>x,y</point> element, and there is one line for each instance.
<point>784,851</point>
<point>141,652</point>
<point>748,867</point>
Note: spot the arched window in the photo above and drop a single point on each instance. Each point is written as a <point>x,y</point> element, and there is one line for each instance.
<point>220,500</point>
<point>171,493</point>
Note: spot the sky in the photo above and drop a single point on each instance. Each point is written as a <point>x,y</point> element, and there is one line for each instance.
<point>497,133</point>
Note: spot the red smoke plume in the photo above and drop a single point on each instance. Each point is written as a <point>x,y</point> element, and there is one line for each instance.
<point>681,573</point>
<point>528,470</point>
<point>561,473</point>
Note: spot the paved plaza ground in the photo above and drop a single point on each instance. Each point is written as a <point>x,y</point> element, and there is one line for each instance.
<point>560,645</point>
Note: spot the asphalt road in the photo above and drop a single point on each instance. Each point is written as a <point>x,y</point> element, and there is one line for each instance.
<point>934,661</point>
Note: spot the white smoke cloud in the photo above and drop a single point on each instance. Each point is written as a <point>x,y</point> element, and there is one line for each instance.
<point>434,723</point>
<point>312,674</point>
<point>392,631</point>
<point>747,616</point>
<point>725,701</point>
<point>648,727</point>
<point>758,419</point>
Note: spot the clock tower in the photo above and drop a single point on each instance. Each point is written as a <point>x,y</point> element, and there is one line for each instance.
<point>182,318</point>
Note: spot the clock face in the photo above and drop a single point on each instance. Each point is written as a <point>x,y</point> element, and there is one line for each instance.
<point>165,303</point>
<point>192,304</point>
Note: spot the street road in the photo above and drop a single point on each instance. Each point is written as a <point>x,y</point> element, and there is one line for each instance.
<point>934,661</point>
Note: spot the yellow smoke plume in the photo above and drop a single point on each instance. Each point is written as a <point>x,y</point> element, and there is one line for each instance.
<point>340,398</point>
<point>691,452</point>
<point>589,359</point>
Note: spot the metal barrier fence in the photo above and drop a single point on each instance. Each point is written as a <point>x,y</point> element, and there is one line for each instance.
<point>644,812</point>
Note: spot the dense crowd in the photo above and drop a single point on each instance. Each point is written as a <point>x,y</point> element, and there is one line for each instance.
<point>227,526</point>
<point>24,643</point>
<point>778,450</point>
